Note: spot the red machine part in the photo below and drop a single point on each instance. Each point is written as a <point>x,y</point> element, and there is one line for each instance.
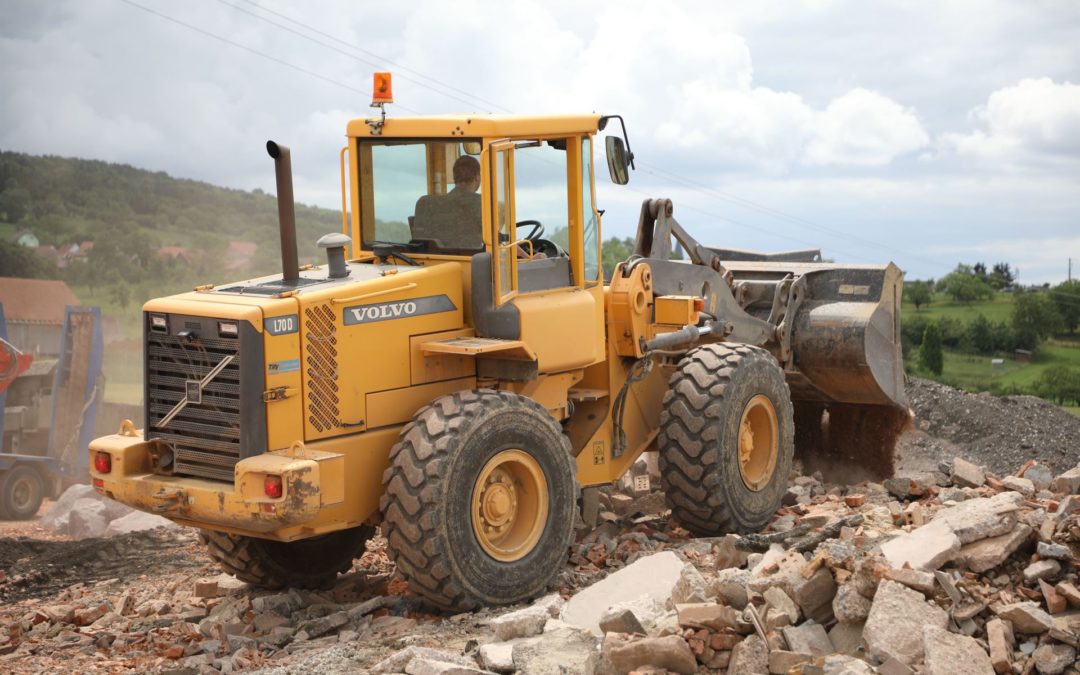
<point>12,364</point>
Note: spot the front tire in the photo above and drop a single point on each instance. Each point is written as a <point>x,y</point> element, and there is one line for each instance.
<point>309,563</point>
<point>21,493</point>
<point>479,500</point>
<point>726,439</point>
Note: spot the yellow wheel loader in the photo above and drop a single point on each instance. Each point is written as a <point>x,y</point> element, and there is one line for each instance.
<point>461,375</point>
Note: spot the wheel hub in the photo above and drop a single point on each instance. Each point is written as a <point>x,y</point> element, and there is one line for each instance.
<point>22,494</point>
<point>509,505</point>
<point>759,442</point>
<point>499,500</point>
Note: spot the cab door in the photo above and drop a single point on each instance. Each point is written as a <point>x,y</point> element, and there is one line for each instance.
<point>559,300</point>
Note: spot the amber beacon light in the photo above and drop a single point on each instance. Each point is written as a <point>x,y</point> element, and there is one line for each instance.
<point>382,91</point>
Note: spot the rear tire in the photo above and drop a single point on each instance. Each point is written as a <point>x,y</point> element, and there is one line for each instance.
<point>726,439</point>
<point>308,563</point>
<point>479,500</point>
<point>21,493</point>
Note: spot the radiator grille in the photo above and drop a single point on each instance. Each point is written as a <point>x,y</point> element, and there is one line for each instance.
<point>205,436</point>
<point>322,369</point>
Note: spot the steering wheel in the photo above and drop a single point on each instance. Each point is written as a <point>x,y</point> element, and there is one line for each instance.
<point>537,228</point>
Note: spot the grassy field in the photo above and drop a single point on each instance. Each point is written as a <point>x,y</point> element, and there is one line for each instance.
<point>976,372</point>
<point>996,309</point>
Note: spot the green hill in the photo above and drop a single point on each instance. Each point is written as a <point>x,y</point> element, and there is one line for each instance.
<point>130,214</point>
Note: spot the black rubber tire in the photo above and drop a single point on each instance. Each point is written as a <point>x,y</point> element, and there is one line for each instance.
<point>308,563</point>
<point>699,430</point>
<point>22,490</point>
<point>427,499</point>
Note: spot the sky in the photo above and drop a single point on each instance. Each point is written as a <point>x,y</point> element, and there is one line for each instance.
<point>923,132</point>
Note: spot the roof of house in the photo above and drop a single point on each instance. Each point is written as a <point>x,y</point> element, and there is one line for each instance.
<point>242,248</point>
<point>35,300</point>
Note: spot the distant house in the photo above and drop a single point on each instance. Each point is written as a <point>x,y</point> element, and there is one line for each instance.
<point>78,251</point>
<point>34,311</point>
<point>239,254</point>
<point>51,254</point>
<point>27,238</point>
<point>177,253</point>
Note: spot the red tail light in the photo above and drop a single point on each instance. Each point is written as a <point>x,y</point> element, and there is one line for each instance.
<point>103,462</point>
<point>272,486</point>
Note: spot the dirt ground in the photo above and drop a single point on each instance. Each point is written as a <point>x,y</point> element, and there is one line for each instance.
<point>41,570</point>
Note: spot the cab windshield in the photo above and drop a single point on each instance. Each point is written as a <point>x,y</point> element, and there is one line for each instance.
<point>426,194</point>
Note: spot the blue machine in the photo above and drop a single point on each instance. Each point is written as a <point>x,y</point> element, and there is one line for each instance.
<point>38,469</point>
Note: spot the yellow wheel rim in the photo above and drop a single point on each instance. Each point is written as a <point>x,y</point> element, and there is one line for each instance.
<point>759,442</point>
<point>509,505</point>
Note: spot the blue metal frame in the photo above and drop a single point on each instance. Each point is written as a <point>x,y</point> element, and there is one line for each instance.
<point>80,466</point>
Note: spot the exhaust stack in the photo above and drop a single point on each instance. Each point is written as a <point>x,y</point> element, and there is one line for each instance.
<point>290,263</point>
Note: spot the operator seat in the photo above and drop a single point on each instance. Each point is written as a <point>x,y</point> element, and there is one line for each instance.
<point>451,222</point>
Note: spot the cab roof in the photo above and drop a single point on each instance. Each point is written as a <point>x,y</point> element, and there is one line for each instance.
<point>476,126</point>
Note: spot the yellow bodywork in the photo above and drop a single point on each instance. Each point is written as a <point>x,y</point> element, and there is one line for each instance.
<point>337,395</point>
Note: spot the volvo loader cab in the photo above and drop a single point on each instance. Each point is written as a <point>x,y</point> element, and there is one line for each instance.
<point>461,375</point>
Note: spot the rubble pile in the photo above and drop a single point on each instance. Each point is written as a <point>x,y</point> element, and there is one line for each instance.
<point>999,432</point>
<point>945,572</point>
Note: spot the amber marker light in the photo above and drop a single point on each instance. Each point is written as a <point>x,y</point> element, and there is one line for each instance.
<point>383,90</point>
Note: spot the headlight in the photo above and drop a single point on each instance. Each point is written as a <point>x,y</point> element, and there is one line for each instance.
<point>229,329</point>
<point>159,323</point>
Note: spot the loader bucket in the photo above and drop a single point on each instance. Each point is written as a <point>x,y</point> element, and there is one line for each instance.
<point>846,336</point>
<point>846,373</point>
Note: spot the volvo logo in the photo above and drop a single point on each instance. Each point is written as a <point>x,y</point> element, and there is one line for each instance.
<point>399,309</point>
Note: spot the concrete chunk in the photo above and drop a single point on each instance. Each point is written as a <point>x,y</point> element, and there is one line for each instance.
<point>1043,569</point>
<point>654,575</point>
<point>432,667</point>
<point>521,623</point>
<point>1068,482</point>
<point>690,587</point>
<point>895,625</point>
<point>951,654</point>
<point>137,521</point>
<point>729,585</point>
<point>987,554</point>
<point>849,606</point>
<point>809,638</point>
<point>620,621</point>
<point>1026,617</point>
<point>780,601</point>
<point>564,650</point>
<point>399,661</point>
<point>625,654</point>
<point>980,518</point>
<point>966,474</point>
<point>707,615</point>
<point>750,656</point>
<point>926,548</point>
<point>1053,658</point>
<point>1021,485</point>
<point>498,656</point>
<point>918,579</point>
<point>781,662</point>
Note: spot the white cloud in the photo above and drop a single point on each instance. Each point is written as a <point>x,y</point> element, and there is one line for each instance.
<point>1031,120</point>
<point>864,128</point>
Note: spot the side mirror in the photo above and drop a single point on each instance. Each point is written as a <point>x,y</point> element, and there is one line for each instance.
<point>617,161</point>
